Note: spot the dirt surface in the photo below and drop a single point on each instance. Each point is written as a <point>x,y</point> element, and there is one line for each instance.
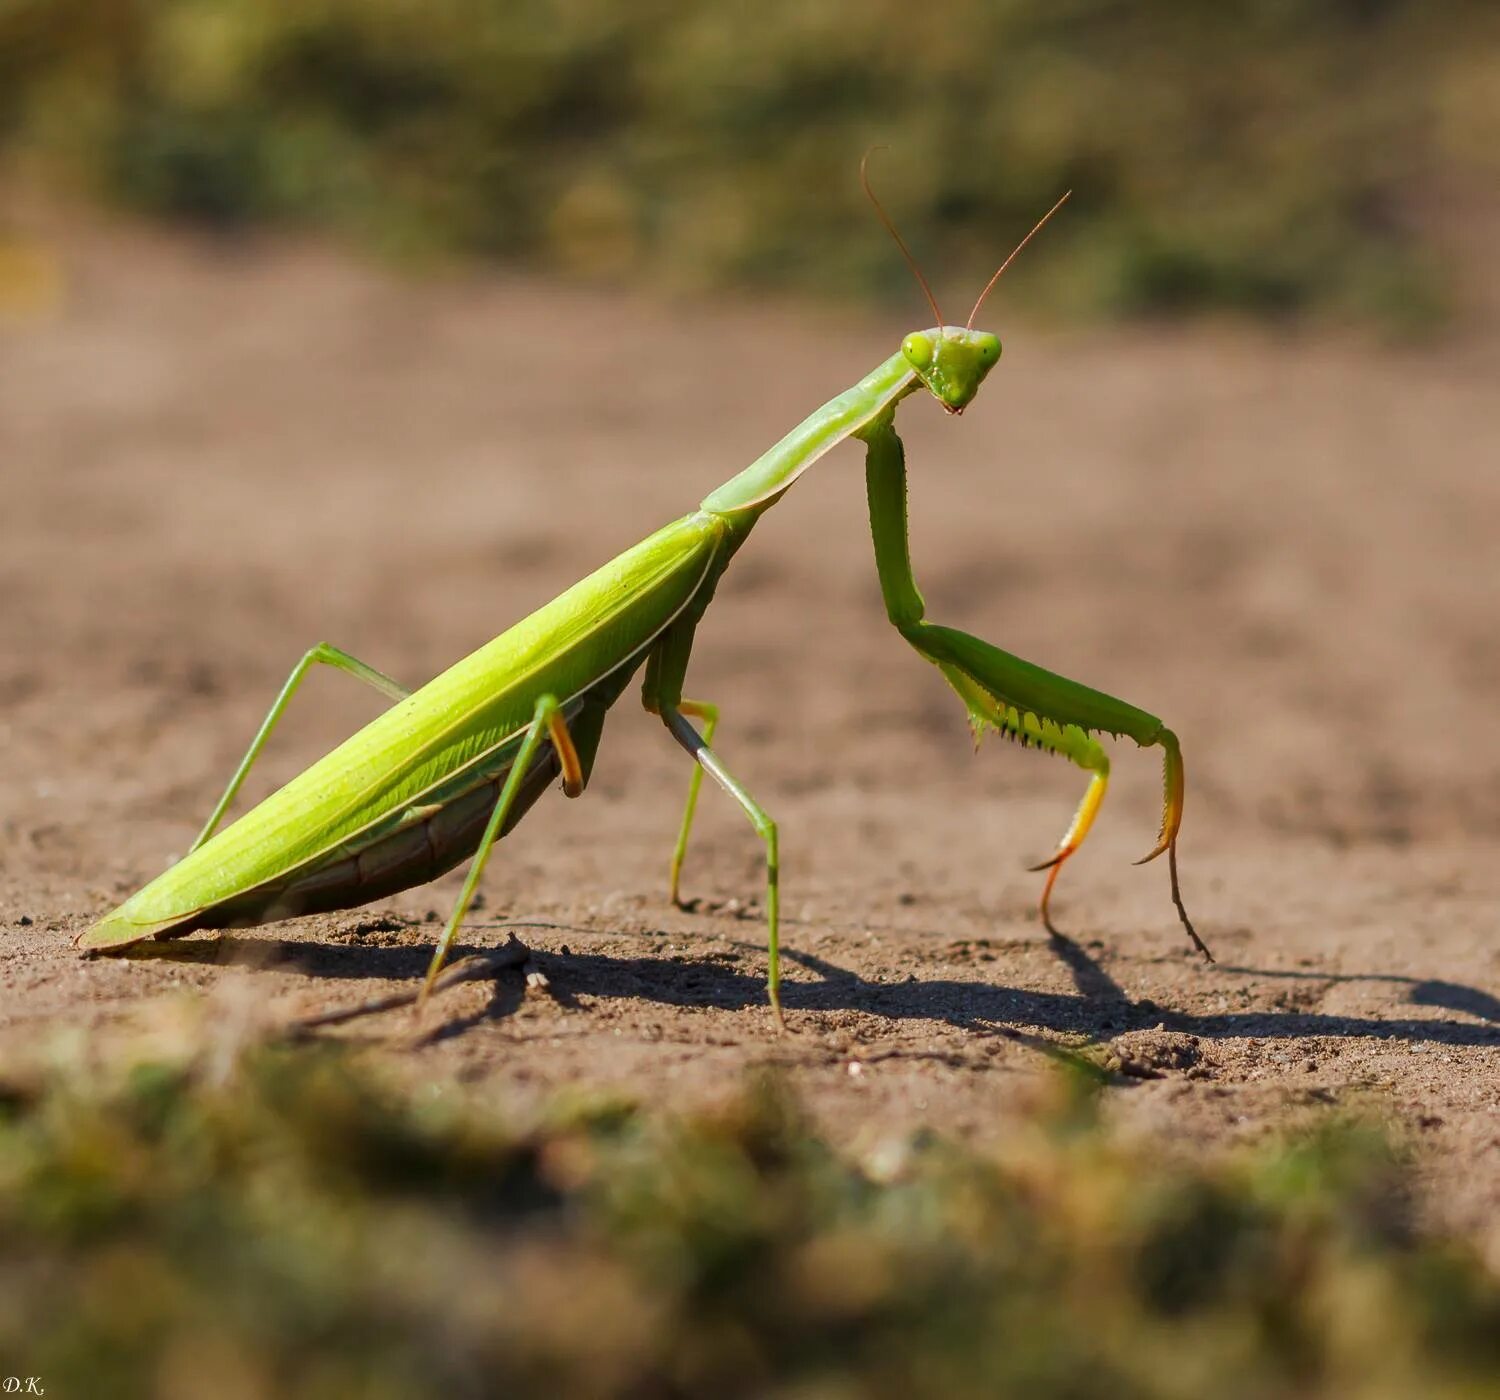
<point>210,459</point>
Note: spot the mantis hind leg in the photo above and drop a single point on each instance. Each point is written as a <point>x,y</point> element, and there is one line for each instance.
<point>322,654</point>
<point>696,744</point>
<point>547,723</point>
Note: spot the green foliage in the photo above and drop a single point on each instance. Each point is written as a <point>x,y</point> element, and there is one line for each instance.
<point>1262,157</point>
<point>1251,156</point>
<point>294,1229</point>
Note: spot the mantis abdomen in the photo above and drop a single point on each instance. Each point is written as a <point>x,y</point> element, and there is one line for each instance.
<point>395,805</point>
<point>437,837</point>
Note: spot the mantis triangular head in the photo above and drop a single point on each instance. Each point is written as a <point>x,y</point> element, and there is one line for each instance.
<point>951,361</point>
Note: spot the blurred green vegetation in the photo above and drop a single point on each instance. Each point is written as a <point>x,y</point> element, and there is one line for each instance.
<point>1264,155</point>
<point>290,1227</point>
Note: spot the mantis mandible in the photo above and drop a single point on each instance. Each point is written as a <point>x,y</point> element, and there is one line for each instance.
<point>450,768</point>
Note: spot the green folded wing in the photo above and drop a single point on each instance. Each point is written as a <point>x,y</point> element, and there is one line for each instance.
<point>459,719</point>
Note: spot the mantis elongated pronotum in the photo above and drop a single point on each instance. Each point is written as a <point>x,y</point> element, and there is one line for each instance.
<point>450,768</point>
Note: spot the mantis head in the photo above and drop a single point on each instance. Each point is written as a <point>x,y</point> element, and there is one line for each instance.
<point>952,361</point>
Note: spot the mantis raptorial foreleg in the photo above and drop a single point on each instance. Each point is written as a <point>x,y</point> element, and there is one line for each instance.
<point>1096,759</point>
<point>322,654</point>
<point>1001,691</point>
<point>547,723</point>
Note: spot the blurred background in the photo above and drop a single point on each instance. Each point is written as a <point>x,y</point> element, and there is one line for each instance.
<point>381,322</point>
<point>1263,157</point>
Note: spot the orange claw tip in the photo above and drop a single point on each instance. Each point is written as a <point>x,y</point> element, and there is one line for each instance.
<point>1153,853</point>
<point>1049,863</point>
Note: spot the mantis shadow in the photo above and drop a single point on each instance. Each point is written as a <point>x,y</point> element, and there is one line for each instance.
<point>1098,1009</point>
<point>1425,991</point>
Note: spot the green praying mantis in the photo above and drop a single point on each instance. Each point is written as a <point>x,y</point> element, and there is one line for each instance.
<point>450,768</point>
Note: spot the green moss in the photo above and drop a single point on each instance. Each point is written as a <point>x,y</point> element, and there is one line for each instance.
<point>298,1229</point>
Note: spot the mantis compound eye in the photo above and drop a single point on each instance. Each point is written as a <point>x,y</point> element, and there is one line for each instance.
<point>918,350</point>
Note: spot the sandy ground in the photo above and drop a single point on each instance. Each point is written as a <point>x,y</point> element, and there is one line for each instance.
<point>211,458</point>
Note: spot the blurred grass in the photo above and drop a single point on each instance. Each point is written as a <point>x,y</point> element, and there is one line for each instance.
<point>1261,155</point>
<point>296,1228</point>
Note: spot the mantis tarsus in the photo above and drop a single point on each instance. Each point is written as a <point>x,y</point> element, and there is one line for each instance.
<point>450,768</point>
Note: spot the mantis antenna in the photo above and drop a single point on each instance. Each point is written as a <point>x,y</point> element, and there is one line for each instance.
<point>890,228</point>
<point>969,324</point>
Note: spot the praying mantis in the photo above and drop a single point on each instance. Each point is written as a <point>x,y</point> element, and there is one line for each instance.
<point>450,768</point>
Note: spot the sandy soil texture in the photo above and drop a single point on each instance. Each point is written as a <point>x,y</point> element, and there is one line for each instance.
<point>210,459</point>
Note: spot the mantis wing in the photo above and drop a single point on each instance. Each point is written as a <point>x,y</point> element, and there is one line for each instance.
<point>420,750</point>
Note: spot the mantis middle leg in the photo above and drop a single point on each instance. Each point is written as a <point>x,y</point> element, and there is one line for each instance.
<point>708,761</point>
<point>322,654</point>
<point>666,667</point>
<point>709,714</point>
<point>664,674</point>
<point>1001,691</point>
